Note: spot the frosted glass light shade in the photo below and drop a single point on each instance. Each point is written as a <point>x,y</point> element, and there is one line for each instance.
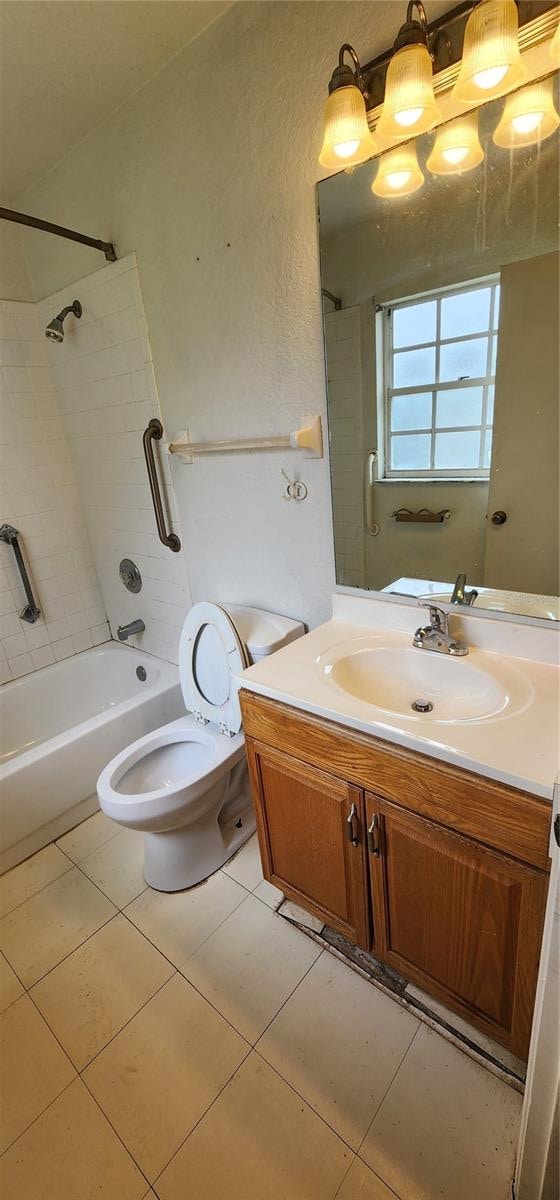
<point>456,148</point>
<point>348,139</point>
<point>529,117</point>
<point>398,173</point>
<point>491,61</point>
<point>409,106</point>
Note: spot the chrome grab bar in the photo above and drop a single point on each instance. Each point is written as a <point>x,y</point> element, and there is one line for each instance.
<point>154,431</point>
<point>31,611</point>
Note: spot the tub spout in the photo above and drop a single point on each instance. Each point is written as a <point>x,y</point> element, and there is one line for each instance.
<point>126,631</point>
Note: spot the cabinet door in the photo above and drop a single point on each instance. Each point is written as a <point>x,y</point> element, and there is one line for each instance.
<point>311,836</point>
<point>463,922</point>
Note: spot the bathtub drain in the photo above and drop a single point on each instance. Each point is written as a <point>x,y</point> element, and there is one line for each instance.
<point>142,674</point>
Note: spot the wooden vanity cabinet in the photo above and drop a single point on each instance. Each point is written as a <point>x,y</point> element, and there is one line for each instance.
<point>438,872</point>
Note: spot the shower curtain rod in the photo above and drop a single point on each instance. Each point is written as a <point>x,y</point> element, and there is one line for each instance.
<point>8,214</point>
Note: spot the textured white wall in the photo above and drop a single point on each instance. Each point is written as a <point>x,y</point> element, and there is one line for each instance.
<point>208,174</point>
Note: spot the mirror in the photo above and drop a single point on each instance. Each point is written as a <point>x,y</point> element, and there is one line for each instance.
<point>441,344</point>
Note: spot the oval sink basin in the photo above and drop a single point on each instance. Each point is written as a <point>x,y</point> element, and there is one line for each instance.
<point>396,679</point>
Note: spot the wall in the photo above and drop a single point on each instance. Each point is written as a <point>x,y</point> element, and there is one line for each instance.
<point>15,283</point>
<point>208,174</point>
<point>40,498</point>
<point>104,375</point>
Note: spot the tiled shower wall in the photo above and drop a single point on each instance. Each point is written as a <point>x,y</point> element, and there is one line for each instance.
<point>40,498</point>
<point>104,376</point>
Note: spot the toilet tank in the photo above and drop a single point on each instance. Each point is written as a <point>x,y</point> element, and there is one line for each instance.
<point>263,632</point>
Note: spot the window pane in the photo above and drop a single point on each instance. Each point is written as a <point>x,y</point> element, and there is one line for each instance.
<point>414,367</point>
<point>490,405</point>
<point>494,356</point>
<point>459,450</point>
<point>487,456</point>
<point>411,453</point>
<point>466,312</point>
<point>463,360</point>
<point>414,324</point>
<point>412,412</point>
<point>459,406</point>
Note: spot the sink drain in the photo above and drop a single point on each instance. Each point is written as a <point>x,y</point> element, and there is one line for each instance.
<point>422,706</point>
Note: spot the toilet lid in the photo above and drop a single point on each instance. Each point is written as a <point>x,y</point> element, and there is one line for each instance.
<point>211,654</point>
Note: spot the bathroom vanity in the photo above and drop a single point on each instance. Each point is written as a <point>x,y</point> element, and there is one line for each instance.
<point>401,830</point>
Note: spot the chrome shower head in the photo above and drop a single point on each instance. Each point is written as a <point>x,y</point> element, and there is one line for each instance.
<point>55,328</point>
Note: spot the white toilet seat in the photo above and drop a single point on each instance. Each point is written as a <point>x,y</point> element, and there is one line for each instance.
<point>211,655</point>
<point>163,785</point>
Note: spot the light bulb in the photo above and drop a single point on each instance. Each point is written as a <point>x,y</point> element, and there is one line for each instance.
<point>491,62</point>
<point>455,154</point>
<point>489,78</point>
<point>398,179</point>
<point>456,148</point>
<point>529,116</point>
<point>398,173</point>
<point>346,149</point>
<point>527,122</point>
<point>408,116</point>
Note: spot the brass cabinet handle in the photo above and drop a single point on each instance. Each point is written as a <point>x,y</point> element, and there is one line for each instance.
<point>351,830</point>
<point>372,837</point>
<point>155,431</point>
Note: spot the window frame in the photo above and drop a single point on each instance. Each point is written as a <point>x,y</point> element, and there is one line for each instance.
<point>385,313</point>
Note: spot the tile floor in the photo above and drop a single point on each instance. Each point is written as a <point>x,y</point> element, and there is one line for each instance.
<point>198,1047</point>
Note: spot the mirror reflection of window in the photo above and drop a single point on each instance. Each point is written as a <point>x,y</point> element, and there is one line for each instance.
<point>438,386</point>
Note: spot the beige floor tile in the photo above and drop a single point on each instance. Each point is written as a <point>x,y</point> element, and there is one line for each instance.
<point>88,836</point>
<point>362,1184</point>
<point>90,996</point>
<point>447,1127</point>
<point>246,866</point>
<point>10,986</point>
<point>508,1060</point>
<point>269,894</point>
<point>118,867</point>
<point>30,876</point>
<point>40,933</point>
<point>258,1141</point>
<point>34,1069</point>
<point>178,922</point>
<point>339,1042</point>
<point>249,966</point>
<point>158,1077</point>
<point>70,1153</point>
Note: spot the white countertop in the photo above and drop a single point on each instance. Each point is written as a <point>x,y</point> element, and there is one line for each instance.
<point>520,749</point>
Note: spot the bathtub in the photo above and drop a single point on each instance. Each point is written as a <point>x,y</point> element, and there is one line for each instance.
<point>58,729</point>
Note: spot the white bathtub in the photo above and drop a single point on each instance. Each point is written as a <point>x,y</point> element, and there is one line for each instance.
<point>58,729</point>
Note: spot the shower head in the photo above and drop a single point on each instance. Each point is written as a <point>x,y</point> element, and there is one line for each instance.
<point>55,328</point>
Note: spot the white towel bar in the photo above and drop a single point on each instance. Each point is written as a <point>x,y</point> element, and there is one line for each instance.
<point>308,438</point>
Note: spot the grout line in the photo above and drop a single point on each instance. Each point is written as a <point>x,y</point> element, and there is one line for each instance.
<point>388,1089</point>
<point>71,952</point>
<point>39,1115</point>
<point>44,885</point>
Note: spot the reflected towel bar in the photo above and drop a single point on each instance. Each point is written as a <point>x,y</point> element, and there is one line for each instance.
<point>308,438</point>
<point>154,431</point>
<point>31,612</point>
<point>424,515</point>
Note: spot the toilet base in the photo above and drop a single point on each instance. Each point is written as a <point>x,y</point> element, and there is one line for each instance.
<point>181,858</point>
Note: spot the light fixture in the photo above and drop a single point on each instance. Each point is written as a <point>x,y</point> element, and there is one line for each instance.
<point>348,139</point>
<point>409,106</point>
<point>491,62</point>
<point>456,148</point>
<point>398,173</point>
<point>529,116</point>
<point>555,45</point>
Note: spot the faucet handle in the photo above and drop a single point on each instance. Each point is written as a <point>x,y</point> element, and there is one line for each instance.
<point>439,619</point>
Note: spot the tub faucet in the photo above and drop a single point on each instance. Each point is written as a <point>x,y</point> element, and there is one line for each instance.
<point>460,595</point>
<point>436,636</point>
<point>126,631</point>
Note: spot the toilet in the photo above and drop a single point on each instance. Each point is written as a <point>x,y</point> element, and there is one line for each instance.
<point>185,785</point>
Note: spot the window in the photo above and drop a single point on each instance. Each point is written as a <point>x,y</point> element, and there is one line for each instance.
<point>439,372</point>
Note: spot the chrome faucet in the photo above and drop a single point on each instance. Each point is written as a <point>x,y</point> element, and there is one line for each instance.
<point>460,595</point>
<point>436,636</point>
<point>126,631</point>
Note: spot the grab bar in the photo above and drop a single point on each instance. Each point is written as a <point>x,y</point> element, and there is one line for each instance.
<point>153,432</point>
<point>31,612</point>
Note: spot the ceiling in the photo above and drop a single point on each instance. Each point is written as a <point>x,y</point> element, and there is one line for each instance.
<point>65,67</point>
